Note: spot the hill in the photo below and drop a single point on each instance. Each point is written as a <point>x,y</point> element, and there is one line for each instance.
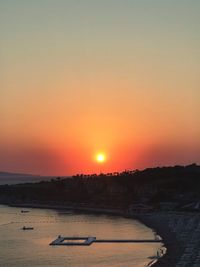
<point>153,188</point>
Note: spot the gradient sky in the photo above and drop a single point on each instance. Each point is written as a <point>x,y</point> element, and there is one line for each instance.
<point>85,76</point>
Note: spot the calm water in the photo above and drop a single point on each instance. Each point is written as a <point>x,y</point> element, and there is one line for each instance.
<point>31,248</point>
<point>17,179</point>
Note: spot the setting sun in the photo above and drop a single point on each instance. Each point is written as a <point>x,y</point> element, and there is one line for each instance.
<point>100,158</point>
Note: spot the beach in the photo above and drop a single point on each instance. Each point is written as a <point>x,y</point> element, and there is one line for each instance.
<point>181,235</point>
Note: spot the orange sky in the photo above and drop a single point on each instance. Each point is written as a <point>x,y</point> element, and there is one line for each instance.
<point>120,77</point>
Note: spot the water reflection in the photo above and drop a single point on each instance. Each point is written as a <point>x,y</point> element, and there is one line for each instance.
<point>24,248</point>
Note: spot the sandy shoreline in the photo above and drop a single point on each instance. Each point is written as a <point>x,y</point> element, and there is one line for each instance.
<point>180,232</point>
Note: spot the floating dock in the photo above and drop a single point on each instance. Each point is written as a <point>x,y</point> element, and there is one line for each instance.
<point>86,241</point>
<point>73,241</point>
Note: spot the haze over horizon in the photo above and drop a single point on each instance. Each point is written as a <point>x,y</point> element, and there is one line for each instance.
<point>86,77</point>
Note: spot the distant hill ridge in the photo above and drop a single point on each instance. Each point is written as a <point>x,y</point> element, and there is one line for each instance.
<point>16,174</point>
<point>178,185</point>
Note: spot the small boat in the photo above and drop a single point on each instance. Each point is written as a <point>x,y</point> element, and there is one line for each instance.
<point>24,211</point>
<point>27,228</point>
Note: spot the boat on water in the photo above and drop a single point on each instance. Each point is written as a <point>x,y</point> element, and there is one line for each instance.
<point>24,211</point>
<point>27,228</point>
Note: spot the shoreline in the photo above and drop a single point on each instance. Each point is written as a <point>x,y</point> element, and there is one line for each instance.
<point>172,245</point>
<point>69,207</point>
<point>162,223</point>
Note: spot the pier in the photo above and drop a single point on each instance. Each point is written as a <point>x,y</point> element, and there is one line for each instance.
<point>86,241</point>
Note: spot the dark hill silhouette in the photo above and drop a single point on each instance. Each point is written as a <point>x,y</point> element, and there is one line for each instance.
<point>152,186</point>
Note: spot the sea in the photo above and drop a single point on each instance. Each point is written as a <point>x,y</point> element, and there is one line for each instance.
<point>22,248</point>
<point>10,178</point>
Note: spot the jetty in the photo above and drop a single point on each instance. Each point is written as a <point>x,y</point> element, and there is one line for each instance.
<point>87,241</point>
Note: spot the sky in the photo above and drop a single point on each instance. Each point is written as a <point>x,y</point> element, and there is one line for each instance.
<point>82,77</point>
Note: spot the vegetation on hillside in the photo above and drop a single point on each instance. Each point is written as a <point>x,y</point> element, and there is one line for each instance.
<point>152,186</point>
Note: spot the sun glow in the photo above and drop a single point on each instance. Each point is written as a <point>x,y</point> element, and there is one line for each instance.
<point>100,158</point>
